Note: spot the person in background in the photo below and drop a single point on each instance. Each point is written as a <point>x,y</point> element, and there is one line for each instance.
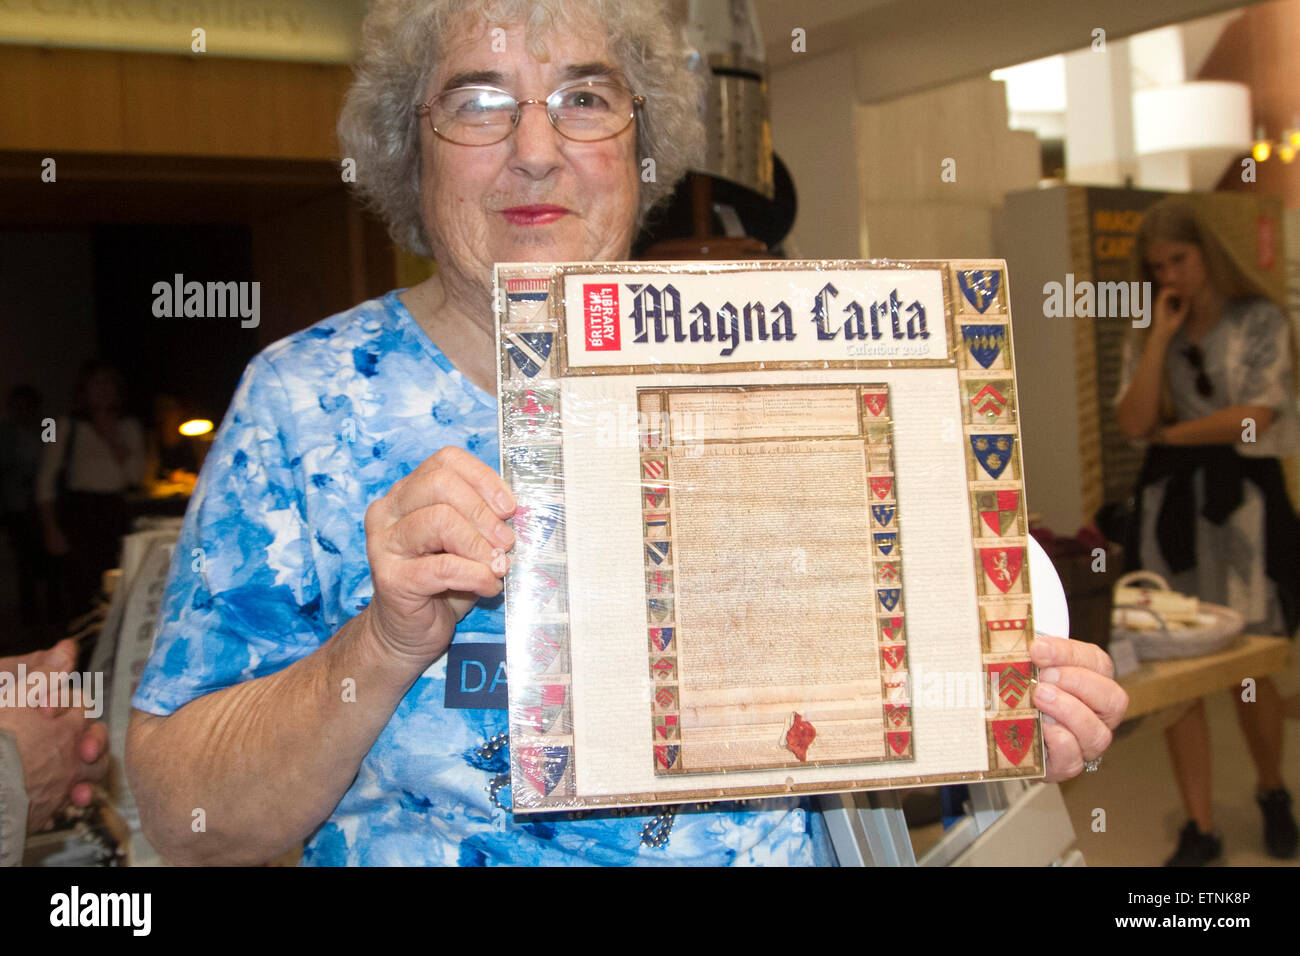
<point>97,455</point>
<point>20,454</point>
<point>49,756</point>
<point>1210,386</point>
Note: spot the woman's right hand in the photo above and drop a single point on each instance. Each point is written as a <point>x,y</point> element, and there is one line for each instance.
<point>436,542</point>
<point>1171,312</point>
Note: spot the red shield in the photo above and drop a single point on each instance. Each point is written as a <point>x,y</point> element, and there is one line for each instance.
<point>898,741</point>
<point>1011,681</point>
<point>875,402</point>
<point>880,487</point>
<point>666,726</point>
<point>1002,565</point>
<point>896,714</point>
<point>989,402</point>
<point>666,755</point>
<point>1014,738</point>
<point>665,668</point>
<point>999,509</point>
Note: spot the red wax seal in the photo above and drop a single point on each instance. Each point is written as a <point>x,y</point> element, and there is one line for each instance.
<point>799,737</point>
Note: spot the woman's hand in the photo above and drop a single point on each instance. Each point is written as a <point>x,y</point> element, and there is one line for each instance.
<point>436,542</point>
<point>1171,313</point>
<point>1080,702</point>
<point>63,753</point>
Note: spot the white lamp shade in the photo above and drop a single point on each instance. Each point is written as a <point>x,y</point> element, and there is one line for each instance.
<point>1188,117</point>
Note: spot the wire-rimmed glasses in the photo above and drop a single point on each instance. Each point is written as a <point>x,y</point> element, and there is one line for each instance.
<point>585,112</point>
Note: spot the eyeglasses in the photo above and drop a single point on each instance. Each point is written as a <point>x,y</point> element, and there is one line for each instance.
<point>483,115</point>
<point>1193,354</point>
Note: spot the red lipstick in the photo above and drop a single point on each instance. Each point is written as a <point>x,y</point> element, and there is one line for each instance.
<point>533,215</point>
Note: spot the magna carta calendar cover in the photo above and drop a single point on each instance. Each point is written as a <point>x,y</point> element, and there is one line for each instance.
<point>772,534</point>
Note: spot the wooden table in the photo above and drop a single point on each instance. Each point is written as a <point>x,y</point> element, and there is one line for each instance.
<point>1159,684</point>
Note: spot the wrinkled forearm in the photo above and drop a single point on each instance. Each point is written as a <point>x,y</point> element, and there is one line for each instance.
<point>266,760</point>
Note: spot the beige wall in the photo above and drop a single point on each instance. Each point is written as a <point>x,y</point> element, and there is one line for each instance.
<point>1033,235</point>
<point>813,132</point>
<point>868,177</point>
<point>909,210</point>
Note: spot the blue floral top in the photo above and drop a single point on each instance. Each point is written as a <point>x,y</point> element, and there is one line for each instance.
<point>321,424</point>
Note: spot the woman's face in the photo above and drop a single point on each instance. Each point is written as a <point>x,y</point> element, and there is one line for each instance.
<point>474,198</point>
<point>1178,266</point>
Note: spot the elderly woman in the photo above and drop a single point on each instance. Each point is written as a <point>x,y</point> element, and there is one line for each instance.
<point>296,690</point>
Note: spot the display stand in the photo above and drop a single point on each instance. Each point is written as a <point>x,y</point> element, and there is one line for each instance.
<point>869,829</point>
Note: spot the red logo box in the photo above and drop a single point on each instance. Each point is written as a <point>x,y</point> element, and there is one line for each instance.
<point>600,309</point>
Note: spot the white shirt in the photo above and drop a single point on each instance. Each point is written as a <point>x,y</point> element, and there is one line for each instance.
<point>1247,358</point>
<point>93,467</point>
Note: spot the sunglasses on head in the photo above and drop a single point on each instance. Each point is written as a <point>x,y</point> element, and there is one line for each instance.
<point>1193,354</point>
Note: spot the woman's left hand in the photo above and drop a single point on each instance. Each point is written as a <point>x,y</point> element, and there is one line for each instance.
<point>1080,702</point>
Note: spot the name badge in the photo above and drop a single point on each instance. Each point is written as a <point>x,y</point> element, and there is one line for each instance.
<point>476,677</point>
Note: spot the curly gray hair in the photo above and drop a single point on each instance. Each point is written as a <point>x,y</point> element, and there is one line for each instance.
<point>403,40</point>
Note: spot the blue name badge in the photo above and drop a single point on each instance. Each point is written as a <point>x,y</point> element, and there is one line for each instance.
<point>476,677</point>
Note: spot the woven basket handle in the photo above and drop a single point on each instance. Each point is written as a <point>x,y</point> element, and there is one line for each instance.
<point>1143,576</point>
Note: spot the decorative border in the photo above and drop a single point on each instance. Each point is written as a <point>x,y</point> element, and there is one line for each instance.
<point>661,605</point>
<point>999,522</point>
<point>541,711</point>
<point>876,425</point>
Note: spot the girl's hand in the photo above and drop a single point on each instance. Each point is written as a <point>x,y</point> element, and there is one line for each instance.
<point>1171,312</point>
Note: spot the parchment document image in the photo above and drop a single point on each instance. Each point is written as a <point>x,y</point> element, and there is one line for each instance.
<point>766,592</point>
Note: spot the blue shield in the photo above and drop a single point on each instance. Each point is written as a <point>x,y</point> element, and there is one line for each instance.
<point>993,452</point>
<point>984,342</point>
<point>543,767</point>
<point>662,637</point>
<point>530,352</point>
<point>980,287</point>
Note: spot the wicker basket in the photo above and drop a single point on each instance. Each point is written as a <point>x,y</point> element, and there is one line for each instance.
<point>1217,627</point>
